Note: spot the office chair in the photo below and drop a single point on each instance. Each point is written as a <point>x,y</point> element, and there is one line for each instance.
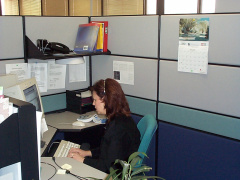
<point>147,127</point>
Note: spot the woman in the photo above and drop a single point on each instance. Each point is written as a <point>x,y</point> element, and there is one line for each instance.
<point>121,137</point>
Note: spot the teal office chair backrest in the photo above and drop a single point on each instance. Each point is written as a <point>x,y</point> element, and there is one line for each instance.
<point>147,127</point>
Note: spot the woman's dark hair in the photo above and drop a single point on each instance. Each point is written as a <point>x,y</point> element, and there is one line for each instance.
<point>110,91</point>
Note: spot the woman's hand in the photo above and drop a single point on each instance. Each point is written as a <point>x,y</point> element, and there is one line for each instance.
<point>80,152</point>
<point>76,156</point>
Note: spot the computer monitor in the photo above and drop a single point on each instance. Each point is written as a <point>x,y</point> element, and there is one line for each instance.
<point>26,90</point>
<point>8,80</point>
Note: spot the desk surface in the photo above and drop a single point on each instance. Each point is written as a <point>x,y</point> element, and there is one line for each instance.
<point>63,121</point>
<point>47,137</point>
<point>78,168</point>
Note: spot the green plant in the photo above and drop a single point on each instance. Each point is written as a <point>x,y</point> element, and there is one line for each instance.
<point>131,169</point>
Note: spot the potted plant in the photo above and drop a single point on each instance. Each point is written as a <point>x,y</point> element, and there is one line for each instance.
<point>131,170</point>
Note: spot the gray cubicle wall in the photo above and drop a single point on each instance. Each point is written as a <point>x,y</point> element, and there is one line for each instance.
<point>62,30</point>
<point>132,35</point>
<point>223,37</point>
<point>11,45</point>
<point>211,100</point>
<point>54,29</point>
<point>226,6</point>
<point>135,38</point>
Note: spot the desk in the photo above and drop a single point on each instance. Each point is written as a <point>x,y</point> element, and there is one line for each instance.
<point>47,137</point>
<point>63,121</point>
<point>78,168</point>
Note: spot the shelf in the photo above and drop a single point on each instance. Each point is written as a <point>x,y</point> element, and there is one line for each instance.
<point>34,53</point>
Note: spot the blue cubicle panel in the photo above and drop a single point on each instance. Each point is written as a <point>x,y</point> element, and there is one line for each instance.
<point>223,37</point>
<point>54,102</point>
<point>189,154</point>
<point>204,121</point>
<point>141,106</point>
<point>132,35</point>
<point>11,44</point>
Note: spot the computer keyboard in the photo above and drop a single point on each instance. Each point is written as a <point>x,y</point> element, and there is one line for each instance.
<point>64,147</point>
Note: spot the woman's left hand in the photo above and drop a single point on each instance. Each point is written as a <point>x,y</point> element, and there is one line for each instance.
<point>76,156</point>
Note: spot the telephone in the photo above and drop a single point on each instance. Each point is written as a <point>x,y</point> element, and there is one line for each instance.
<point>52,47</point>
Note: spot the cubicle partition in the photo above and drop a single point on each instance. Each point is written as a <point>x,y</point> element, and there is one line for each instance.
<point>11,46</point>
<point>199,113</point>
<point>193,110</point>
<point>54,29</point>
<point>57,29</point>
<point>133,39</point>
<point>203,104</point>
<point>217,92</point>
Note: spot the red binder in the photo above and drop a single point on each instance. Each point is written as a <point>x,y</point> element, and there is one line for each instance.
<point>105,37</point>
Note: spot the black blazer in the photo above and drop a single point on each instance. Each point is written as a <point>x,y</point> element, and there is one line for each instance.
<point>120,140</point>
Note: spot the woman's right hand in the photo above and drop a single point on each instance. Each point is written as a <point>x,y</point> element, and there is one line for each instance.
<point>81,152</point>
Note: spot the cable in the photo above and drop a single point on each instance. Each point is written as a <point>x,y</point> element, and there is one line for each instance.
<point>68,172</point>
<point>53,167</point>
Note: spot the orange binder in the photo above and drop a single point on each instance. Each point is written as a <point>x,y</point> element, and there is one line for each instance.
<point>105,34</point>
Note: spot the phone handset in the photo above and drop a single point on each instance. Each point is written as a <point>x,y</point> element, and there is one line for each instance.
<point>59,47</point>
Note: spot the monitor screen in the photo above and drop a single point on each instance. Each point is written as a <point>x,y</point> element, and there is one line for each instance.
<point>31,96</point>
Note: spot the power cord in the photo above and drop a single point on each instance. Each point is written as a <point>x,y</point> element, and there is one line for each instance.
<point>53,167</point>
<point>68,172</point>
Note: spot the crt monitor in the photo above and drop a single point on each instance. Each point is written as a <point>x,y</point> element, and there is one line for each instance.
<point>26,90</point>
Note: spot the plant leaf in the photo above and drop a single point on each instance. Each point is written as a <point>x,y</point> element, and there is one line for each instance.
<point>140,170</point>
<point>135,161</point>
<point>113,174</point>
<point>135,154</point>
<point>125,166</point>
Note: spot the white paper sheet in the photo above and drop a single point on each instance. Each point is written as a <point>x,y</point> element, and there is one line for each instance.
<point>193,57</point>
<point>39,71</point>
<point>20,69</point>
<point>56,75</point>
<point>124,72</point>
<point>77,72</point>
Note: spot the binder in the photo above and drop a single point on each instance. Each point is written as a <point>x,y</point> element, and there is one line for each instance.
<point>99,47</point>
<point>86,38</point>
<point>105,34</point>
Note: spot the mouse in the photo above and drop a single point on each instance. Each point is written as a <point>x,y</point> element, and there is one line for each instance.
<point>78,123</point>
